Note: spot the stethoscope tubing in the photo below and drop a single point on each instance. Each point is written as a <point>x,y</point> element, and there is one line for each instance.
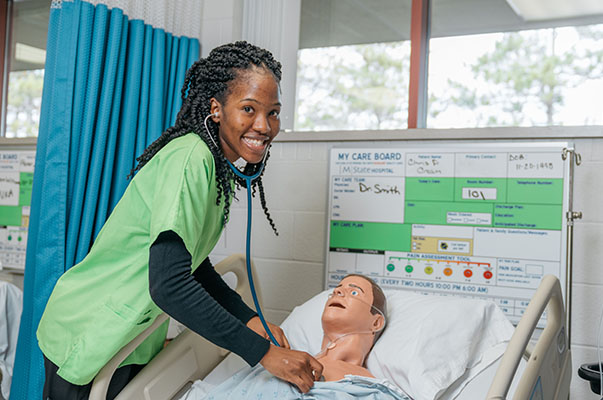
<point>248,179</point>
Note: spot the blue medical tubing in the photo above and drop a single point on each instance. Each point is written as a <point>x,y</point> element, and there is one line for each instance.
<point>248,179</point>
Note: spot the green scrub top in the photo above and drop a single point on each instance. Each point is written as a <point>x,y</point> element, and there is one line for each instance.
<point>102,303</point>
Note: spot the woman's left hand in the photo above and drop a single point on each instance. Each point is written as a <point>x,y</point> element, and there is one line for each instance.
<point>255,324</point>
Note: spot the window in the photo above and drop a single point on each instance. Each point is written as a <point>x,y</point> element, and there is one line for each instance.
<point>353,65</point>
<point>489,67</point>
<point>26,57</point>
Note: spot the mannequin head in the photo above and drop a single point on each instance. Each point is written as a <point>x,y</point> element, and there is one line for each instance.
<point>353,308</point>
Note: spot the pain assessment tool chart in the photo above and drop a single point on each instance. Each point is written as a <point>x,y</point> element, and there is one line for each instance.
<point>473,220</point>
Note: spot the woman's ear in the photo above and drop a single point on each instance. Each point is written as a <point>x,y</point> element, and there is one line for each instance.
<point>215,108</point>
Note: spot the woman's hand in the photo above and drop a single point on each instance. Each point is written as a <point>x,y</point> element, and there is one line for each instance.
<point>296,367</point>
<point>255,324</point>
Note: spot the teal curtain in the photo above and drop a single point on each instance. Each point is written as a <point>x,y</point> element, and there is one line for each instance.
<point>111,86</point>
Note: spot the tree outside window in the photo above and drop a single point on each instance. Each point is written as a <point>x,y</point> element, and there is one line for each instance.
<point>353,87</point>
<point>24,103</point>
<point>528,78</point>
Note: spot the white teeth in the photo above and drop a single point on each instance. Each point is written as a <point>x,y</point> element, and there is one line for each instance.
<point>254,142</point>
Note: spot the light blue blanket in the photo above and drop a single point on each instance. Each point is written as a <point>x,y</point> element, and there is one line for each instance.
<point>258,384</point>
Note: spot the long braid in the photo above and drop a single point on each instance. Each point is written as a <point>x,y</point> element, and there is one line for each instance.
<point>260,185</point>
<point>212,77</point>
<point>260,188</point>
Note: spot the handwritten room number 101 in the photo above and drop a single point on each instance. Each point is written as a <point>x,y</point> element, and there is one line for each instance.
<point>475,194</point>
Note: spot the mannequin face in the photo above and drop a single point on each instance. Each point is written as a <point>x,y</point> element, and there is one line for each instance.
<point>249,117</point>
<point>348,310</point>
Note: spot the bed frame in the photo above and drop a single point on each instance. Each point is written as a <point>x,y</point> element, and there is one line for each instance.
<point>190,357</point>
<point>549,368</point>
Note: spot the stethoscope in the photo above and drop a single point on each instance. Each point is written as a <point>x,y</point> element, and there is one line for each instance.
<point>248,179</point>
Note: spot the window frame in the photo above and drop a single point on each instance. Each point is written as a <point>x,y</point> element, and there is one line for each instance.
<point>420,36</point>
<point>420,23</point>
<point>419,56</point>
<point>417,101</point>
<point>5,19</point>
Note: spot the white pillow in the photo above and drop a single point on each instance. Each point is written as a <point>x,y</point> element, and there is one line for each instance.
<point>429,341</point>
<point>303,327</point>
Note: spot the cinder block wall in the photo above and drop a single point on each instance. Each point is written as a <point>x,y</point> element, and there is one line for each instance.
<point>291,266</point>
<point>587,288</point>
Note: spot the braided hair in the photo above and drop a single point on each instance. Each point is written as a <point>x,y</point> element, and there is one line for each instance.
<point>215,77</point>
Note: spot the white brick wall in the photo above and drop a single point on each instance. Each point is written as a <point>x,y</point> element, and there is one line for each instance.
<point>222,21</point>
<point>291,266</point>
<point>587,299</point>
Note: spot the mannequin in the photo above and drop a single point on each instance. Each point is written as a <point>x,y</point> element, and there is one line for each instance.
<point>352,321</point>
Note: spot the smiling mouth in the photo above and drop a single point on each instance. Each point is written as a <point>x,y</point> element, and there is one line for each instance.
<point>259,143</point>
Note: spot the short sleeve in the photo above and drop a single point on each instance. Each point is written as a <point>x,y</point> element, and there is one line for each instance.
<point>183,201</point>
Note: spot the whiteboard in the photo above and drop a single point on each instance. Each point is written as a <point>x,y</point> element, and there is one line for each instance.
<point>16,183</point>
<point>481,220</point>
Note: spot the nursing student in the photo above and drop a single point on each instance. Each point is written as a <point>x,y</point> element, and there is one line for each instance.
<point>151,255</point>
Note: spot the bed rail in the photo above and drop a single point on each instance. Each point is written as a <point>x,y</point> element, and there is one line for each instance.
<point>102,380</point>
<point>183,355</point>
<point>548,370</point>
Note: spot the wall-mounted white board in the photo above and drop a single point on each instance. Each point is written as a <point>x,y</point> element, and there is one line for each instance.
<point>483,220</point>
<point>16,182</point>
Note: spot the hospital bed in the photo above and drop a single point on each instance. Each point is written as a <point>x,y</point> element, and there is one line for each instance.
<point>545,375</point>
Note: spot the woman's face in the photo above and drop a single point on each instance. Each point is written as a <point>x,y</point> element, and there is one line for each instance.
<point>249,118</point>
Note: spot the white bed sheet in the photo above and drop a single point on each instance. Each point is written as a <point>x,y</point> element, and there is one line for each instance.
<point>476,388</point>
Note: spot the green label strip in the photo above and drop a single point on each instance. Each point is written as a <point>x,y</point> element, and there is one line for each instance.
<point>535,191</point>
<point>370,236</point>
<point>429,189</point>
<point>528,216</point>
